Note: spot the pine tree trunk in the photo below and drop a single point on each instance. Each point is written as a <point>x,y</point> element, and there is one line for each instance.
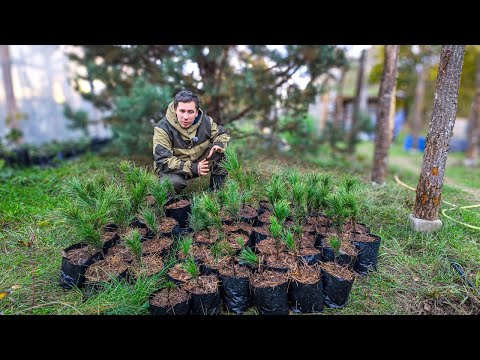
<point>429,188</point>
<point>357,110</point>
<point>385,111</point>
<point>419,105</point>
<point>8,86</point>
<point>471,154</point>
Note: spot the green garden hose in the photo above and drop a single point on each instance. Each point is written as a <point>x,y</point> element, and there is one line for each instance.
<point>454,207</point>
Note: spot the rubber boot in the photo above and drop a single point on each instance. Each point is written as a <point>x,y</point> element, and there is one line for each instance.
<point>216,182</point>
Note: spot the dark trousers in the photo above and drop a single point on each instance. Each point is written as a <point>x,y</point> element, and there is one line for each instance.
<point>179,181</point>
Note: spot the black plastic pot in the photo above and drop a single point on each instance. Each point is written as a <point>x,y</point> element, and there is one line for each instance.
<point>181,308</point>
<point>111,227</point>
<point>109,243</point>
<point>180,214</point>
<point>344,259</point>
<point>74,275</point>
<point>335,290</point>
<point>256,237</point>
<point>205,304</point>
<point>306,298</point>
<point>249,219</point>
<point>178,231</point>
<point>263,205</point>
<point>271,300</point>
<point>137,224</point>
<point>311,259</point>
<point>236,293</point>
<point>367,255</point>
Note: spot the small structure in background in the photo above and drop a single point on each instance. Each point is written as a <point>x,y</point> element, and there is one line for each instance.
<point>457,143</point>
<point>40,78</point>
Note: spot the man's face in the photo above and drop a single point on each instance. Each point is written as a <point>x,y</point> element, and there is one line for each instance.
<point>186,113</point>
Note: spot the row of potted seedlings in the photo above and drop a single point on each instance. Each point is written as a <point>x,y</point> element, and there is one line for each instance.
<point>297,251</point>
<point>50,153</point>
<point>269,257</point>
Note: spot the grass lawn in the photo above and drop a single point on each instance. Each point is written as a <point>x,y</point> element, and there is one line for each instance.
<point>414,271</point>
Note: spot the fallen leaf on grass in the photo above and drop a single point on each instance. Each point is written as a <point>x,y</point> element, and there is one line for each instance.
<point>4,294</point>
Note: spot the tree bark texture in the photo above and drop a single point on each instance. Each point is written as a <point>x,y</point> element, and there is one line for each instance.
<point>429,188</point>
<point>385,111</point>
<point>8,86</point>
<point>473,122</point>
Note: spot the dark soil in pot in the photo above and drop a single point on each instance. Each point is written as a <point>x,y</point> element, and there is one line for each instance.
<point>179,210</point>
<point>205,295</point>
<point>170,302</point>
<point>75,261</point>
<point>159,246</point>
<point>178,274</point>
<point>166,226</point>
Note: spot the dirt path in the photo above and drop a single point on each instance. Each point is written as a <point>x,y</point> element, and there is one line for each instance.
<point>410,165</point>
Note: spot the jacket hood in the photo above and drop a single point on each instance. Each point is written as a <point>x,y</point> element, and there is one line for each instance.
<point>172,119</point>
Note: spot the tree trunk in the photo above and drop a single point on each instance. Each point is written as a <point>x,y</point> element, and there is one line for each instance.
<point>360,88</point>
<point>325,99</point>
<point>12,121</point>
<point>471,154</point>
<point>419,105</point>
<point>385,111</point>
<point>429,188</point>
<point>338,117</point>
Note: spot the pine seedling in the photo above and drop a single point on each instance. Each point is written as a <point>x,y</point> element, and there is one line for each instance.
<point>217,249</point>
<point>160,191</point>
<point>169,285</point>
<point>326,180</point>
<point>212,208</point>
<point>150,218</point>
<point>248,181</point>
<point>95,202</point>
<point>247,256</point>
<point>192,268</point>
<point>292,176</point>
<point>321,196</point>
<point>138,181</point>
<point>353,209</point>
<point>297,233</point>
<point>230,195</point>
<point>281,210</point>
<point>198,219</point>
<point>274,190</point>
<point>231,165</point>
<point>312,179</point>
<point>337,211</point>
<point>299,203</point>
<point>335,244</point>
<point>134,243</point>
<point>289,240</point>
<point>276,231</point>
<point>82,224</point>
<point>350,183</point>
<point>185,246</point>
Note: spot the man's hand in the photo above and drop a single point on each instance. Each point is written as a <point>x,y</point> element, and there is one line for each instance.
<point>203,167</point>
<point>213,150</point>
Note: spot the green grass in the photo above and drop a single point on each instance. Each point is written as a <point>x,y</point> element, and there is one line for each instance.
<point>414,274</point>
